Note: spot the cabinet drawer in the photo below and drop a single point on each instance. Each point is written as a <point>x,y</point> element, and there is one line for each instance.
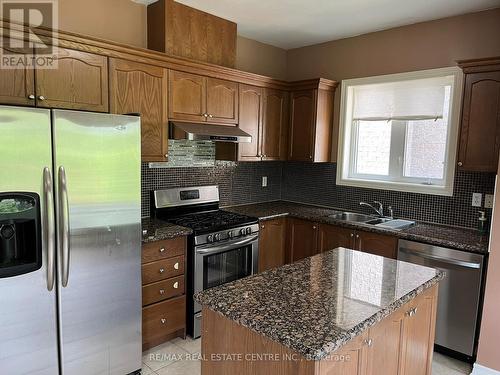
<point>163,249</point>
<point>162,269</point>
<point>162,290</point>
<point>161,319</point>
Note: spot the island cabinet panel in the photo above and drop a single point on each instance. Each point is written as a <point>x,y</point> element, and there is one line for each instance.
<point>275,125</point>
<point>378,244</point>
<point>141,88</point>
<point>348,360</point>
<point>480,131</point>
<point>272,242</point>
<point>17,85</point>
<point>331,237</point>
<point>251,104</point>
<point>222,101</point>
<point>302,239</point>
<point>85,77</point>
<point>187,96</point>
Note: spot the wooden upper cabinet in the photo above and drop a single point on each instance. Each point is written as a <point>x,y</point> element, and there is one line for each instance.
<point>275,125</point>
<point>187,96</point>
<point>250,121</point>
<point>311,120</point>
<point>17,86</point>
<point>141,88</point>
<point>302,237</point>
<point>378,244</point>
<point>331,237</point>
<point>272,242</point>
<point>80,81</point>
<point>480,132</point>
<point>222,101</point>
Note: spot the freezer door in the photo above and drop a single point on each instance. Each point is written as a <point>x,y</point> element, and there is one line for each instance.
<point>28,330</point>
<point>97,168</point>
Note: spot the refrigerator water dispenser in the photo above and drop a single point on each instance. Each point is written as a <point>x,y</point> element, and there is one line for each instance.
<point>20,234</point>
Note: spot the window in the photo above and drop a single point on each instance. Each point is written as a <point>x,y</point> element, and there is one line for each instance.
<point>399,132</point>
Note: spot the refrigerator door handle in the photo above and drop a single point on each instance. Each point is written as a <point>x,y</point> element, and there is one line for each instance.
<point>63,226</point>
<point>48,193</point>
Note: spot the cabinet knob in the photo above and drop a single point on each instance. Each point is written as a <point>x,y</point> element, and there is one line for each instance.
<point>176,266</point>
<point>31,97</point>
<point>315,227</point>
<point>205,115</point>
<point>352,234</point>
<point>163,320</point>
<point>369,342</point>
<point>176,285</point>
<point>412,312</point>
<point>162,249</point>
<point>460,163</point>
<point>310,156</point>
<point>162,270</point>
<point>41,97</point>
<point>162,291</point>
<point>262,227</point>
<point>166,155</point>
<point>357,235</point>
<point>211,116</point>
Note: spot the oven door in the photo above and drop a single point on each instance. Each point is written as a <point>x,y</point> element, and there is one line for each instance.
<point>220,263</point>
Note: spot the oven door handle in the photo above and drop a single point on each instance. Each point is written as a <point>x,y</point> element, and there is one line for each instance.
<point>217,249</point>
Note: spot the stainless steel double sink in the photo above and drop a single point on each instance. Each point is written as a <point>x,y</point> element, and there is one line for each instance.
<point>354,217</point>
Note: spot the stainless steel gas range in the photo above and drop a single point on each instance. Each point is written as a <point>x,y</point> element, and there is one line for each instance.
<point>224,246</point>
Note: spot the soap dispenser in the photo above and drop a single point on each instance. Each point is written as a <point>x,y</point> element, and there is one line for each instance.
<point>482,222</point>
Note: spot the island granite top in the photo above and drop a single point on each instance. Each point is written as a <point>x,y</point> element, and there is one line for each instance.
<point>441,235</point>
<point>316,305</point>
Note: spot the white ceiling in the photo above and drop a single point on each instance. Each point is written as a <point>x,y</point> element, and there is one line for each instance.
<point>297,23</point>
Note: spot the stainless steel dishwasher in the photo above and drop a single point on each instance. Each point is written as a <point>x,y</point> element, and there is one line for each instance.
<point>459,293</point>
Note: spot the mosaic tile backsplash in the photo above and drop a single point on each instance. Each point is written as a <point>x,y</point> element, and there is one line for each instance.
<point>241,183</point>
<point>185,153</point>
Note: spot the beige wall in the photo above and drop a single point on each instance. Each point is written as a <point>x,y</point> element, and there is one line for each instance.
<point>260,58</point>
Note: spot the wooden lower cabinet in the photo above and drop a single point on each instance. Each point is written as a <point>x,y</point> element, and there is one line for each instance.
<point>163,291</point>
<point>377,244</point>
<point>349,360</point>
<point>331,237</point>
<point>272,242</point>
<point>302,239</point>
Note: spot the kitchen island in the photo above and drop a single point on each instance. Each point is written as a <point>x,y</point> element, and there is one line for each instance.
<point>339,312</point>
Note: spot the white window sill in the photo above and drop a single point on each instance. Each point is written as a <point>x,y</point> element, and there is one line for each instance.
<point>398,186</point>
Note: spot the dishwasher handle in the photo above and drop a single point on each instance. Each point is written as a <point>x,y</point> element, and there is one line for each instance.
<point>455,262</point>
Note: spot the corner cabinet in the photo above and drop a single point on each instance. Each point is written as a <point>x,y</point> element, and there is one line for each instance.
<point>311,120</point>
<point>480,129</point>
<point>193,97</point>
<point>141,88</point>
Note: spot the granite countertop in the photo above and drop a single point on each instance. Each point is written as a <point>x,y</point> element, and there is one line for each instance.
<point>440,235</point>
<point>157,230</point>
<point>316,305</point>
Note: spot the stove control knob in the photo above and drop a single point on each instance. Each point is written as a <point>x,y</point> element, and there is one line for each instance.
<point>217,237</point>
<point>242,232</point>
<point>249,230</point>
<point>230,234</point>
<point>210,238</point>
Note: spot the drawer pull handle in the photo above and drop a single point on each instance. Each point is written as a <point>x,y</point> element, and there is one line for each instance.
<point>176,285</point>
<point>162,291</point>
<point>163,320</point>
<point>162,249</point>
<point>176,265</point>
<point>162,270</point>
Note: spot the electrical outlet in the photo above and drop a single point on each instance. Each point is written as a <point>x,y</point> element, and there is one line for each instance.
<point>488,201</point>
<point>264,181</point>
<point>477,199</point>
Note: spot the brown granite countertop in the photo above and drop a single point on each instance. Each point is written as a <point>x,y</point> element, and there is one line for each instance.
<point>316,305</point>
<point>435,234</point>
<point>157,230</point>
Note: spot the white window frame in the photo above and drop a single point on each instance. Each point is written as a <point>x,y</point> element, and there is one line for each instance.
<point>346,149</point>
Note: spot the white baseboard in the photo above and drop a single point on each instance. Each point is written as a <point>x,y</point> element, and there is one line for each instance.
<point>481,370</point>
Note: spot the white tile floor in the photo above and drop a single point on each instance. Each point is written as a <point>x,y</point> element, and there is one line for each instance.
<point>181,357</point>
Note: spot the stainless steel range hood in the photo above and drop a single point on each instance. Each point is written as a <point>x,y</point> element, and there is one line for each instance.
<point>207,132</point>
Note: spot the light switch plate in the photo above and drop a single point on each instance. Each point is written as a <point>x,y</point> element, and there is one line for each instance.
<point>264,181</point>
<point>488,201</point>
<point>477,199</point>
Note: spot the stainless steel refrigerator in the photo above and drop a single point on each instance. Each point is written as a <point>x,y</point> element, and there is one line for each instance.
<point>70,298</point>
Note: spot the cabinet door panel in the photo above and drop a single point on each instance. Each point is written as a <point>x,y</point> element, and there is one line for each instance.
<point>250,121</point>
<point>222,101</point>
<point>303,239</point>
<point>480,133</point>
<point>186,96</point>
<point>348,360</point>
<point>16,85</point>
<point>331,237</point>
<point>302,115</point>
<point>275,129</point>
<point>272,244</point>
<point>80,81</point>
<point>141,88</point>
<point>378,244</point>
